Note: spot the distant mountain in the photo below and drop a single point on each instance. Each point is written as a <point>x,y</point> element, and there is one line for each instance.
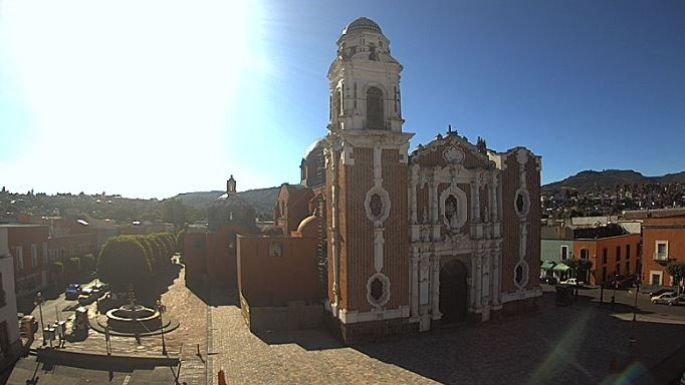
<point>263,200</point>
<point>589,179</point>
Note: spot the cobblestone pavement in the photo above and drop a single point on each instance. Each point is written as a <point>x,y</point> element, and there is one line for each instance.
<point>182,304</point>
<point>580,344</point>
<point>304,357</point>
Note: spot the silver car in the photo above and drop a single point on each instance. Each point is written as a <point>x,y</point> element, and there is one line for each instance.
<point>669,298</point>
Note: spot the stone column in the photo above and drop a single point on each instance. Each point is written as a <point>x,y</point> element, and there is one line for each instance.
<point>479,279</point>
<point>412,193</point>
<point>435,211</point>
<point>414,283</point>
<point>435,288</point>
<point>496,276</point>
<point>475,201</point>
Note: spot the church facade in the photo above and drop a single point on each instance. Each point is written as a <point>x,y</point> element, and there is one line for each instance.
<point>447,233</point>
<point>394,241</point>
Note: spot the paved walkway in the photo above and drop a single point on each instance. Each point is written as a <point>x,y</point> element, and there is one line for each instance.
<point>580,344</point>
<point>306,357</point>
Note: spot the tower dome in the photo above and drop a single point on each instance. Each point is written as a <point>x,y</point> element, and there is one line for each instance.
<point>363,24</point>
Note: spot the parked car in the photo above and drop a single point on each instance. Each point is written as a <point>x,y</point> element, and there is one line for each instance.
<point>657,292</point>
<point>669,298</point>
<point>549,280</point>
<point>73,291</point>
<point>86,296</point>
<point>572,282</point>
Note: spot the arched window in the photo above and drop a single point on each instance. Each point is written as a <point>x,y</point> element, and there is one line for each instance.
<point>374,109</point>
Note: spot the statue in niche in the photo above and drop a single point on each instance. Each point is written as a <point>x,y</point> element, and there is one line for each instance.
<point>451,219</point>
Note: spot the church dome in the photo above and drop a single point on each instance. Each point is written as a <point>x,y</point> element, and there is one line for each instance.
<point>363,24</point>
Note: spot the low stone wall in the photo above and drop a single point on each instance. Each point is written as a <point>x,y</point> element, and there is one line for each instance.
<point>90,359</point>
<point>372,330</point>
<point>294,316</point>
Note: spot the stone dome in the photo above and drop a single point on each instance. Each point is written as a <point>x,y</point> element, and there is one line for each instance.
<point>363,24</point>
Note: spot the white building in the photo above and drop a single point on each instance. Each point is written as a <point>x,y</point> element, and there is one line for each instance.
<point>9,327</point>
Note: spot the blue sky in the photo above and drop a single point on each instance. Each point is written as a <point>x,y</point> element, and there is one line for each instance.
<point>149,99</point>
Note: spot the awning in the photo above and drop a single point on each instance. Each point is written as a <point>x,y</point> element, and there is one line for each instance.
<point>548,265</point>
<point>561,267</point>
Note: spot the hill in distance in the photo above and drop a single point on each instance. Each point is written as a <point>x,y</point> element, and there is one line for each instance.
<point>263,200</point>
<point>590,179</point>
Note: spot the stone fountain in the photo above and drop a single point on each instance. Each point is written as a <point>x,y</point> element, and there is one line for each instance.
<point>133,319</point>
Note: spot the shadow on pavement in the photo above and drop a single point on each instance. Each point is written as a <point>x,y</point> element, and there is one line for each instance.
<point>579,344</point>
<point>309,339</point>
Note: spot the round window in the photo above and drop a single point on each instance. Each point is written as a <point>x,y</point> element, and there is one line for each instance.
<point>376,289</point>
<point>521,275</point>
<point>376,205</point>
<point>522,202</point>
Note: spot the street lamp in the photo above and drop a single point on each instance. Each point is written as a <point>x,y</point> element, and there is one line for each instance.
<point>637,289</point>
<point>161,308</point>
<point>39,301</point>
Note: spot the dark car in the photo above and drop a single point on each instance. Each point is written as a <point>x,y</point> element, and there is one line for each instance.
<point>549,280</point>
<point>73,291</point>
<point>621,282</point>
<point>658,292</point>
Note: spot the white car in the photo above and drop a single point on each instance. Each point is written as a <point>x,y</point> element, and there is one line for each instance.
<point>572,282</point>
<point>669,298</point>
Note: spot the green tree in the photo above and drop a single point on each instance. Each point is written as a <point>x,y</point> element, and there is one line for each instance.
<point>180,241</point>
<point>149,251</point>
<point>123,262</point>
<point>174,211</point>
<point>677,270</point>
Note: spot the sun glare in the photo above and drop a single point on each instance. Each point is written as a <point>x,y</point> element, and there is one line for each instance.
<point>120,91</point>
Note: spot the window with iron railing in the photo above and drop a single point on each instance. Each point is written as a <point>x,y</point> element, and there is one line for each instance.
<point>661,253</point>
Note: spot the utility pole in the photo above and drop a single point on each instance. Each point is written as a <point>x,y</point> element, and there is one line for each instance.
<point>161,309</point>
<point>39,302</point>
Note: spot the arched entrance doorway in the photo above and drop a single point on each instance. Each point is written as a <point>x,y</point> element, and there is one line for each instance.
<point>453,291</point>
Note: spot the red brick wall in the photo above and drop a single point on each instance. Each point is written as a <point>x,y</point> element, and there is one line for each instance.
<point>195,255</point>
<point>266,280</point>
<point>357,244</point>
<point>24,237</point>
<point>511,224</point>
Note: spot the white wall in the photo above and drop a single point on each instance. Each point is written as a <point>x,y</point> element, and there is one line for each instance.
<point>8,312</point>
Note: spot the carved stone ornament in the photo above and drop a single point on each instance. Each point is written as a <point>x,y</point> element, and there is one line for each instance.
<point>453,155</point>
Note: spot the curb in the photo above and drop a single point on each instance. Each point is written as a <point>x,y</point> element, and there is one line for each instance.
<point>81,358</point>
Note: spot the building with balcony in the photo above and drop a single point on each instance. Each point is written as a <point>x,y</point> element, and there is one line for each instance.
<point>663,234</point>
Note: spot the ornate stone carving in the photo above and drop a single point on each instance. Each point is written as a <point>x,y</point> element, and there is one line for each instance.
<point>453,154</point>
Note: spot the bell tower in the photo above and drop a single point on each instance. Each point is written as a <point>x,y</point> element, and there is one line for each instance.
<point>366,184</point>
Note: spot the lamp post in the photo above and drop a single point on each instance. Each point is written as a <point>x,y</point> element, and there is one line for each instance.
<point>161,308</point>
<point>39,301</point>
<point>637,289</point>
<point>613,295</point>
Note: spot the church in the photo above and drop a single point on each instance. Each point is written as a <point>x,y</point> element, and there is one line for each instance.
<point>409,241</point>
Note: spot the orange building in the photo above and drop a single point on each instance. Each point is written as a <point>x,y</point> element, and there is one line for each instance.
<point>611,250</point>
<point>664,242</point>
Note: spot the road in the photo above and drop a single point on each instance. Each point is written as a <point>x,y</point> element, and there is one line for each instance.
<point>625,299</point>
<point>56,309</point>
<point>29,371</point>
